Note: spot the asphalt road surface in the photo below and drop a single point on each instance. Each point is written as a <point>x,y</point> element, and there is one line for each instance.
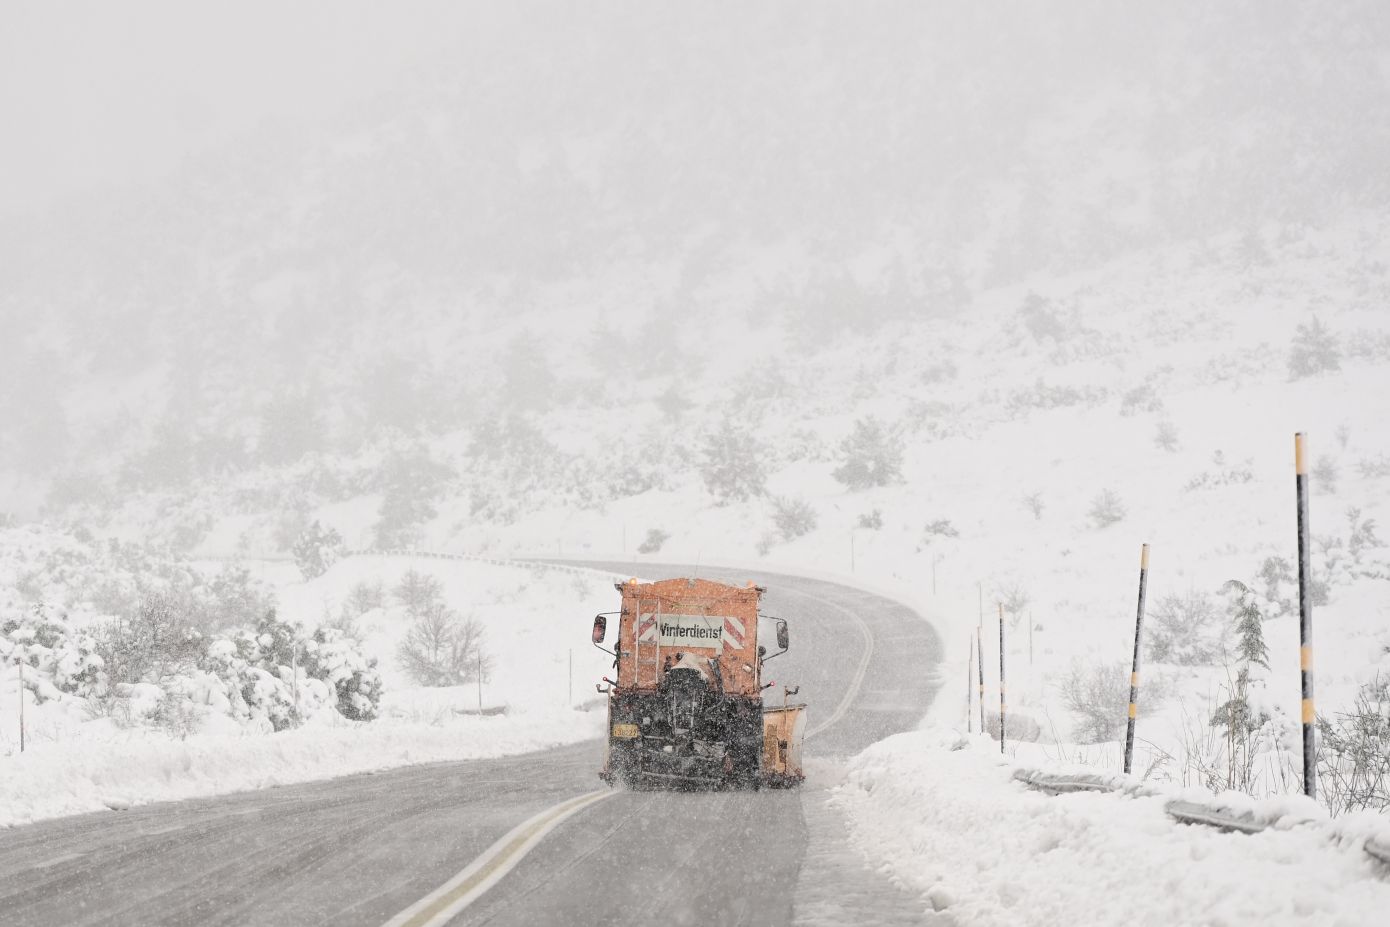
<point>361,849</point>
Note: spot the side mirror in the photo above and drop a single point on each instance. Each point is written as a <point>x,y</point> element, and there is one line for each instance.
<point>600,628</point>
<point>782,637</point>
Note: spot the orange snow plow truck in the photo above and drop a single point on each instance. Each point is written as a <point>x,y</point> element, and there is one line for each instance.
<point>686,710</point>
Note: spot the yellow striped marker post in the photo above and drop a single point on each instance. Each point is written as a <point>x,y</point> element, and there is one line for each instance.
<point>1134,666</point>
<point>1003,709</point>
<point>1305,619</point>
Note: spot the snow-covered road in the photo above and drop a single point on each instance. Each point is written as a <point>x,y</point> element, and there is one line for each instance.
<point>360,849</point>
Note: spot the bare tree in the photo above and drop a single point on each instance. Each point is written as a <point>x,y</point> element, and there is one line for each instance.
<point>442,648</point>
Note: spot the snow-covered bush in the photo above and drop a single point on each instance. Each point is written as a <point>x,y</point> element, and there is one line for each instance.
<point>62,659</point>
<point>1354,753</point>
<point>1106,509</point>
<point>1224,474</point>
<point>792,518</point>
<point>652,543</point>
<point>363,597</point>
<point>154,644</point>
<point>872,455</point>
<point>1186,629</point>
<point>1314,350</point>
<point>1326,473</point>
<point>1035,503</point>
<point>1166,436</point>
<point>938,528</point>
<point>316,549</point>
<point>1097,694</point>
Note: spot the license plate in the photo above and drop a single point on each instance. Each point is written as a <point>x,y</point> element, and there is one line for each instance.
<point>626,731</point>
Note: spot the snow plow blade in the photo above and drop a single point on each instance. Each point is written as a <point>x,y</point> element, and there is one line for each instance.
<point>783,730</point>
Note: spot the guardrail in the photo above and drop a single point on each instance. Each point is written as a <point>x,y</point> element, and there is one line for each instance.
<point>1180,810</point>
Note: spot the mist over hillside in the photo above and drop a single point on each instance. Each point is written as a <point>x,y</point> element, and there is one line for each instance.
<point>575,198</point>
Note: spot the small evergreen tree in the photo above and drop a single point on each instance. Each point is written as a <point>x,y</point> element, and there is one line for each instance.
<point>316,549</point>
<point>732,467</point>
<point>872,456</point>
<point>1314,350</point>
<point>1240,721</point>
<point>1250,642</point>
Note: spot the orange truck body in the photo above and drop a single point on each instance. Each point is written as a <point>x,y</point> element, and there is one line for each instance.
<point>686,708</point>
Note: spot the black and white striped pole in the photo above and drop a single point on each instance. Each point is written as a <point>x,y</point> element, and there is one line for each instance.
<point>1003,708</point>
<point>1134,666</point>
<point>1305,619</point>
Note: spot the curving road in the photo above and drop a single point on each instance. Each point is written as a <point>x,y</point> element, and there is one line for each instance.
<point>362,849</point>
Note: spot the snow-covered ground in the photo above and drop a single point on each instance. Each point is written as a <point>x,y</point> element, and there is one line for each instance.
<point>945,819</point>
<point>534,625</point>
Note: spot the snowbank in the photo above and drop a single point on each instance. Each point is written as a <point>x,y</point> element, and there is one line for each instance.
<point>109,767</point>
<point>984,850</point>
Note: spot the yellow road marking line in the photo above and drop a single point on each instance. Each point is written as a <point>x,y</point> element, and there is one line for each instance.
<point>444,903</point>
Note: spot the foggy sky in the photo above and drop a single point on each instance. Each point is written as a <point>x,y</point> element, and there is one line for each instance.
<point>95,93</point>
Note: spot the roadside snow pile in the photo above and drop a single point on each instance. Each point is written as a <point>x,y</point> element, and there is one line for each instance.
<point>943,816</point>
<point>111,767</point>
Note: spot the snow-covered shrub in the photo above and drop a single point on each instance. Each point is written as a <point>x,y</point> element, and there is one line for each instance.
<point>277,676</point>
<point>316,549</point>
<point>1098,695</point>
<point>872,521</point>
<point>1106,509</point>
<point>417,592</point>
<point>1166,436</point>
<point>1354,753</point>
<point>1040,320</point>
<point>230,598</point>
<point>792,518</point>
<point>155,643</point>
<point>1374,468</point>
<point>872,455</point>
<point>1314,350</point>
<point>1142,398</point>
<point>732,465</point>
<point>1223,475</point>
<point>1325,474</point>
<point>363,597</point>
<point>1186,629</point>
<point>1035,503</point>
<point>355,679</point>
<point>1042,396</point>
<point>61,658</point>
<point>652,543</point>
<point>939,528</point>
<point>442,648</point>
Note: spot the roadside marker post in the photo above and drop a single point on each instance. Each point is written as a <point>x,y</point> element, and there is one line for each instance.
<point>969,671</point>
<point>1134,666</point>
<point>1305,619</point>
<point>1003,709</point>
<point>980,652</point>
<point>980,663</point>
<point>21,704</point>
